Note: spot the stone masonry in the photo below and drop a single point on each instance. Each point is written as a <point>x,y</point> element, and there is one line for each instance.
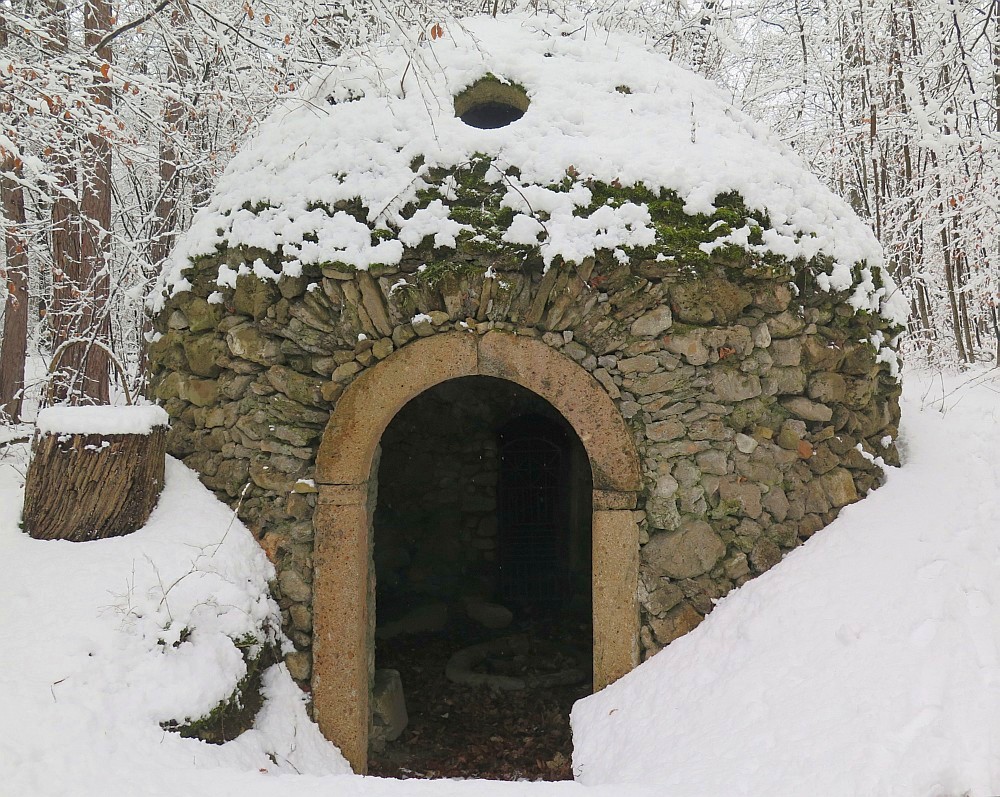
<point>759,404</point>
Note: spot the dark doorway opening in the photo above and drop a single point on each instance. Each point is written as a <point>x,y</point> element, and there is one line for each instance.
<point>482,551</point>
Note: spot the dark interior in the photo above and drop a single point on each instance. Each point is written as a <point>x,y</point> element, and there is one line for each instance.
<point>490,115</point>
<point>482,534</point>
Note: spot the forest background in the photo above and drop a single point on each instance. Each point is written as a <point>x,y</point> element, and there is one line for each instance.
<point>117,118</point>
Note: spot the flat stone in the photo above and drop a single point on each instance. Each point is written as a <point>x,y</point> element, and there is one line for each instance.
<point>710,298</point>
<point>776,503</point>
<point>786,380</point>
<point>607,382</point>
<point>773,298</point>
<point>201,315</point>
<point>807,410</point>
<point>200,392</point>
<point>576,351</point>
<point>389,717</point>
<point>249,343</point>
<point>253,296</point>
<point>656,383</point>
<point>301,617</point>
<point>201,352</point>
<point>713,461</point>
<point>786,352</point>
<point>299,665</point>
<point>664,597</point>
<point>788,439</point>
<point>665,486</point>
<point>653,323</point>
<point>489,615</point>
<point>402,334</point>
<point>688,552</point>
<point>344,372</point>
<point>734,386</point>
<point>663,431</point>
<point>293,586</point>
<point>422,325</point>
<point>745,444</point>
<point>827,387</point>
<point>746,494</point>
<point>839,487</point>
<point>299,387</point>
<point>677,622</point>
<point>644,363</point>
<point>661,513</point>
<point>691,346</point>
<point>785,325</point>
<point>736,566</point>
<point>383,348</point>
<point>765,555</point>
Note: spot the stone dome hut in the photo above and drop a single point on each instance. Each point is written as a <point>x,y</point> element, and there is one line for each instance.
<point>522,313</point>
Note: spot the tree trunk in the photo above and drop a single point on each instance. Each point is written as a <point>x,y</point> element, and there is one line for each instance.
<point>95,211</point>
<point>14,344</point>
<point>83,487</point>
<point>14,347</point>
<point>63,312</point>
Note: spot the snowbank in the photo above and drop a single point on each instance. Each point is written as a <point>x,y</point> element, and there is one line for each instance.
<point>866,663</point>
<point>602,107</point>
<point>104,640</point>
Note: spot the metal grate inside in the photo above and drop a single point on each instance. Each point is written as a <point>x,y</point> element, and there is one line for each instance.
<point>533,515</point>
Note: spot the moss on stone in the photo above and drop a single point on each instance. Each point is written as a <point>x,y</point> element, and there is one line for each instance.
<point>236,713</point>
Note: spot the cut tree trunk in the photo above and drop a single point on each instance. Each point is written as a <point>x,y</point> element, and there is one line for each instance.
<point>83,487</point>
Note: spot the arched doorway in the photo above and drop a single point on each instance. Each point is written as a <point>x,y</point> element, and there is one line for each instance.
<point>482,556</point>
<point>344,578</point>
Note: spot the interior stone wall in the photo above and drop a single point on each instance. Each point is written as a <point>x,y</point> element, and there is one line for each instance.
<point>435,527</point>
<point>759,407</point>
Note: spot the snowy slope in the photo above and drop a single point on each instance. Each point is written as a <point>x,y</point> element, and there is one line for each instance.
<point>88,665</point>
<point>866,663</point>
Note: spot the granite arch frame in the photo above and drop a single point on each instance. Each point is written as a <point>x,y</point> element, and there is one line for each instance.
<point>346,477</point>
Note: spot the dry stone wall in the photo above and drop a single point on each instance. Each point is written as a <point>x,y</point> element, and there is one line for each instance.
<point>759,405</point>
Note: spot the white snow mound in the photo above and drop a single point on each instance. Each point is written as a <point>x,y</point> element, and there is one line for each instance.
<point>865,663</point>
<point>104,640</point>
<point>136,419</point>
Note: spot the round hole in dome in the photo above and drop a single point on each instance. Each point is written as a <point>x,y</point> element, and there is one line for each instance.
<point>489,104</point>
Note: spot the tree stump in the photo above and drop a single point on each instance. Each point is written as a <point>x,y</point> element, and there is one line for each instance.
<point>95,472</point>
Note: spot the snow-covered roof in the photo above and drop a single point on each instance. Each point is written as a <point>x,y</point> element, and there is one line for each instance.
<point>602,108</point>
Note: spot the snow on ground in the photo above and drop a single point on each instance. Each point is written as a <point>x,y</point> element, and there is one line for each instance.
<point>866,663</point>
<point>92,658</point>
